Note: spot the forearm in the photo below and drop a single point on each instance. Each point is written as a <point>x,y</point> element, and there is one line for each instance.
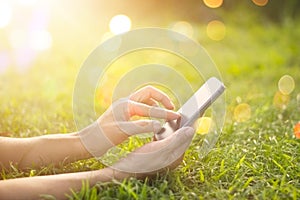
<point>42,150</point>
<point>56,185</point>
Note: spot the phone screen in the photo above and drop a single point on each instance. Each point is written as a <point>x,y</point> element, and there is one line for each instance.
<point>194,107</point>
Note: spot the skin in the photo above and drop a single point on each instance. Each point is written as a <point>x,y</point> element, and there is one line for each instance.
<point>39,151</point>
<point>56,148</point>
<point>60,185</point>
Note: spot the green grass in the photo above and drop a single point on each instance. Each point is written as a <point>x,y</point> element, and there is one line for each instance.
<point>256,159</point>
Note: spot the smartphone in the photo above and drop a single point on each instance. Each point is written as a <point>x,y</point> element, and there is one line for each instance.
<point>194,107</point>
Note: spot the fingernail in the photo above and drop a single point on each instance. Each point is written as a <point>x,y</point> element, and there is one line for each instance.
<point>176,113</point>
<point>156,126</point>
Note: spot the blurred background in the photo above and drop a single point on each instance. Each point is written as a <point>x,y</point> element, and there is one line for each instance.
<point>253,43</point>
<point>63,32</point>
<point>44,43</point>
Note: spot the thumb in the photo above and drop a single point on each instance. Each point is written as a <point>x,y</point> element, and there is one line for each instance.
<point>182,136</point>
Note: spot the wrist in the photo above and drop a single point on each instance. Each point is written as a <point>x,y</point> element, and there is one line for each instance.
<point>79,147</point>
<point>94,139</point>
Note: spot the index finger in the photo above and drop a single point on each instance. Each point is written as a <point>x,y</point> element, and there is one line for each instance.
<point>147,93</point>
<point>140,109</point>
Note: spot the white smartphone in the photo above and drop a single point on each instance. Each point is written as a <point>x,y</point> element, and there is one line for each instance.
<point>194,107</point>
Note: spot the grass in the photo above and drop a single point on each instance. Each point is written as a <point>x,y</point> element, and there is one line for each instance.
<point>255,159</point>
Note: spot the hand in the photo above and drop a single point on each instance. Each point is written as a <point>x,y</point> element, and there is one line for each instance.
<point>116,124</point>
<point>156,156</point>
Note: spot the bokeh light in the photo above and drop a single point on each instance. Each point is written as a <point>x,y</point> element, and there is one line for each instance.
<point>242,112</point>
<point>216,30</point>
<point>184,28</point>
<point>260,2</point>
<point>281,100</point>
<point>40,40</point>
<point>286,84</point>
<point>298,100</point>
<point>120,24</point>
<point>213,3</point>
<point>297,130</point>
<point>203,125</point>
<point>5,14</point>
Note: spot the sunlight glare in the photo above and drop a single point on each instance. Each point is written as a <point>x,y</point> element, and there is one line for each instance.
<point>4,61</point>
<point>23,58</point>
<point>18,38</point>
<point>242,112</point>
<point>40,40</point>
<point>216,30</point>
<point>119,24</point>
<point>260,2</point>
<point>213,3</point>
<point>106,36</point>
<point>27,2</point>
<point>286,84</point>
<point>5,14</point>
<point>184,28</point>
<point>203,125</point>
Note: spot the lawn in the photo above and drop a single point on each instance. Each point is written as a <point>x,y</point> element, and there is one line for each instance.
<point>255,158</point>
